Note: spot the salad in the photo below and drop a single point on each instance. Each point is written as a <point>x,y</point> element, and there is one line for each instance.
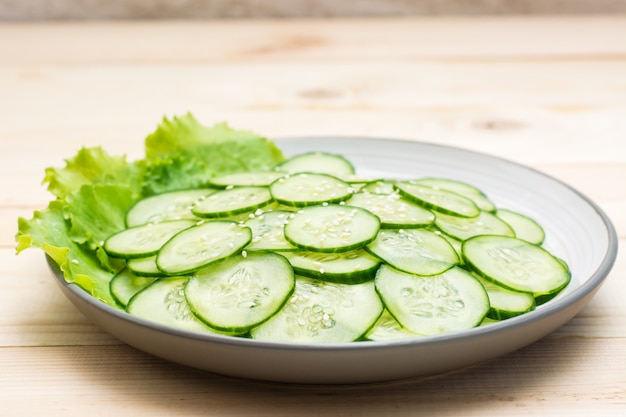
<point>217,231</point>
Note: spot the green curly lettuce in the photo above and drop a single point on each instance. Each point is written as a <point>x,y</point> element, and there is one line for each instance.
<point>183,154</point>
<point>94,190</point>
<point>92,166</point>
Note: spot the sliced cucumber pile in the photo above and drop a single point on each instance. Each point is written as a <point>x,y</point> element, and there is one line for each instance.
<point>311,252</point>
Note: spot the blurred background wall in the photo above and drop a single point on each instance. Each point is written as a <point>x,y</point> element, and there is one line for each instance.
<point>18,10</point>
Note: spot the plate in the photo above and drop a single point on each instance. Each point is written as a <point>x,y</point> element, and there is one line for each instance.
<point>577,230</point>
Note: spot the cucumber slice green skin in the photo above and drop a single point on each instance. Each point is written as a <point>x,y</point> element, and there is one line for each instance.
<point>516,265</point>
<point>308,189</point>
<point>144,267</point>
<point>459,187</point>
<point>144,240</point>
<point>454,300</point>
<point>318,162</point>
<point>239,293</point>
<point>355,180</point>
<point>197,247</point>
<point>163,301</point>
<point>388,328</point>
<point>394,211</point>
<point>417,251</point>
<point>482,202</point>
<point>544,298</point>
<point>175,205</point>
<point>505,303</point>
<point>247,179</point>
<point>126,284</point>
<point>456,186</point>
<point>353,267</point>
<point>323,312</point>
<point>331,228</point>
<point>485,223</point>
<point>487,321</point>
<point>525,227</point>
<point>232,201</point>
<point>439,200</point>
<point>454,242</point>
<point>380,186</point>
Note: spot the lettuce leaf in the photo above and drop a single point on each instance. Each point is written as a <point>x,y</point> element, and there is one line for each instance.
<point>95,190</point>
<point>92,166</point>
<point>91,206</point>
<point>183,154</point>
<point>97,211</point>
<point>49,230</point>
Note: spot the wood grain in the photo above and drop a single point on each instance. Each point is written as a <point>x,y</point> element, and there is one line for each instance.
<point>119,379</point>
<point>546,92</point>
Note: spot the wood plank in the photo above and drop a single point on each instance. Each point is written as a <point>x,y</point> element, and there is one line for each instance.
<point>500,106</point>
<point>34,312</point>
<point>550,375</point>
<point>573,112</point>
<point>184,41</point>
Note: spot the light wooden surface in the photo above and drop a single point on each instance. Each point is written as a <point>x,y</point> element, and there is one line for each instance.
<point>546,92</point>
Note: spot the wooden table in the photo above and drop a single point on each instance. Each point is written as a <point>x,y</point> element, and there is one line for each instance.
<point>546,92</point>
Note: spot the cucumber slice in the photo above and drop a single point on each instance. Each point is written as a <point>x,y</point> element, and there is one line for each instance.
<point>239,293</point>
<point>524,227</point>
<point>357,181</point>
<point>232,201</point>
<point>456,186</point>
<point>456,243</point>
<point>388,328</point>
<point>175,205</point>
<point>393,210</point>
<point>484,224</point>
<point>164,302</point>
<point>323,312</point>
<point>459,187</point>
<point>487,321</point>
<point>379,187</point>
<point>454,300</point>
<point>306,189</point>
<point>144,267</point>
<point>331,228</point>
<point>516,264</point>
<point>351,267</point>
<point>318,162</point>
<point>197,247</point>
<point>145,240</point>
<point>247,179</point>
<point>268,231</point>
<point>506,303</point>
<point>416,251</point>
<point>437,199</point>
<point>126,284</point>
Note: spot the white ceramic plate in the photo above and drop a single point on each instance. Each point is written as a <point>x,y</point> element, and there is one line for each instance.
<point>577,231</point>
